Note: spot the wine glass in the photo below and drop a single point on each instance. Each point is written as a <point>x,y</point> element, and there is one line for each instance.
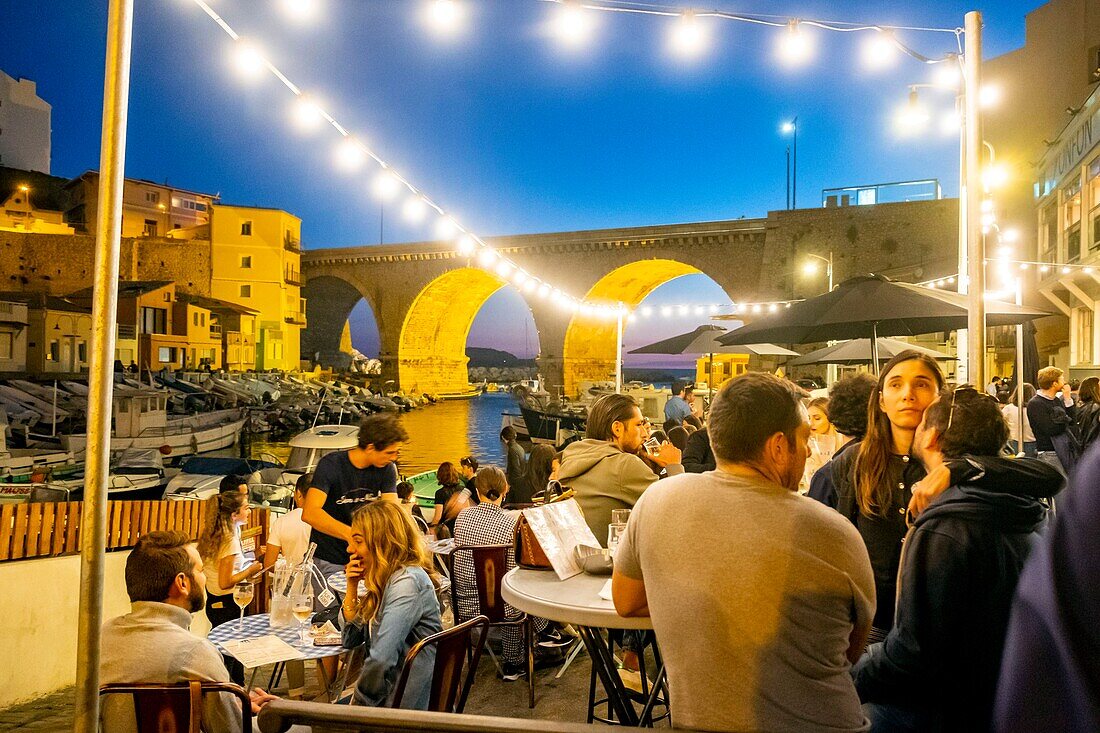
<point>301,605</point>
<point>242,596</point>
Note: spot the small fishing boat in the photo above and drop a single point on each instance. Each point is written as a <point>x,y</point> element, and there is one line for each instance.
<point>424,487</point>
<point>141,421</point>
<point>467,394</point>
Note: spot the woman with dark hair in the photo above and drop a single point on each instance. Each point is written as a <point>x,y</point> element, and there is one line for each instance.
<point>540,466</point>
<point>678,436</point>
<point>1087,418</point>
<point>603,469</point>
<point>874,483</point>
<point>450,499</point>
<point>1012,413</point>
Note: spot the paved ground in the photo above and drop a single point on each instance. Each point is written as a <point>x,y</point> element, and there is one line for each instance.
<point>556,699</point>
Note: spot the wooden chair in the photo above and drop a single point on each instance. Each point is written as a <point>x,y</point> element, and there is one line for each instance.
<point>490,564</point>
<point>176,707</point>
<point>450,687</point>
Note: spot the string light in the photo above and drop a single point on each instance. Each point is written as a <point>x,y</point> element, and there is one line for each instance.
<point>248,59</point>
<point>443,16</point>
<point>299,10</point>
<point>414,210</point>
<point>572,24</point>
<point>689,38</point>
<point>879,50</point>
<point>349,155</point>
<point>306,114</point>
<point>386,185</point>
<point>795,46</point>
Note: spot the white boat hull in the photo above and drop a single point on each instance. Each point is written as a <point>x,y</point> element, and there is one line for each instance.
<point>173,441</point>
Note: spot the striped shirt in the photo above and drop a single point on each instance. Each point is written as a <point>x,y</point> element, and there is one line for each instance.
<point>484,524</point>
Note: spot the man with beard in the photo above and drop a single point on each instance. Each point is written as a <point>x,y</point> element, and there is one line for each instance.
<point>152,643</point>
<point>937,669</point>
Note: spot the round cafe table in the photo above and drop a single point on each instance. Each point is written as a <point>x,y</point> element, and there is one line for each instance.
<point>577,601</point>
<point>259,625</point>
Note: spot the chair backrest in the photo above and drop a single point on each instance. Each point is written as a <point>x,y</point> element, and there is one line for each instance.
<point>178,706</point>
<point>450,687</point>
<point>490,565</point>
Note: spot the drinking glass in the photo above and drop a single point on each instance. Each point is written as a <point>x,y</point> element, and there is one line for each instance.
<point>301,605</point>
<point>242,596</point>
<point>620,516</point>
<point>614,534</point>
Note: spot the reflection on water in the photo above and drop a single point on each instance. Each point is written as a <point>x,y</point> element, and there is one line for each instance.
<point>445,431</point>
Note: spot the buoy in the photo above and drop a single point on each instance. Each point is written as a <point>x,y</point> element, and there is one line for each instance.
<point>165,450</point>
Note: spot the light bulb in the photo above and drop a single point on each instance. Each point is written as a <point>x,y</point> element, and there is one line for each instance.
<point>299,10</point>
<point>948,74</point>
<point>646,312</point>
<point>666,311</point>
<point>631,318</point>
<point>700,310</point>
<point>504,269</point>
<point>912,117</point>
<point>987,205</point>
<point>795,45</point>
<point>756,308</point>
<point>713,309</point>
<point>1044,268</point>
<point>248,59</point>
<point>307,115</point>
<point>689,37</point>
<point>879,50</point>
<point>386,185</point>
<point>487,257</point>
<point>414,209</point>
<point>349,155</point>
<point>773,308</point>
<point>1065,270</point>
<point>544,290</point>
<point>444,17</point>
<point>531,285</point>
<point>572,24</point>
<point>445,227</point>
<point>519,278</point>
<point>1010,236</point>
<point>995,176</point>
<point>466,245</point>
<point>950,123</point>
<point>989,95</point>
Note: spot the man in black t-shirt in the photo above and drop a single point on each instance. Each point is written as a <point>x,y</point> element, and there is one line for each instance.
<point>345,480</point>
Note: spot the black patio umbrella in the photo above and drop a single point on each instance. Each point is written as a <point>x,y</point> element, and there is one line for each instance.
<point>1031,358</point>
<point>858,351</point>
<point>870,306</point>
<point>703,340</point>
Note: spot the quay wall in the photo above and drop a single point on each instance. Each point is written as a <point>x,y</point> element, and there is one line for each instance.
<point>62,263</point>
<point>38,602</point>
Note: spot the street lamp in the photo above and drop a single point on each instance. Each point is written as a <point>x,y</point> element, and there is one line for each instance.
<point>810,268</point>
<point>791,128</point>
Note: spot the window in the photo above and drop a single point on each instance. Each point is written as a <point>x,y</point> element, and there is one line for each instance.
<point>7,344</point>
<point>202,319</point>
<point>164,355</point>
<point>246,229</point>
<point>195,318</point>
<point>167,297</point>
<point>246,262</point>
<point>82,352</point>
<point>150,228</point>
<point>1083,336</point>
<point>246,291</point>
<point>154,320</point>
<point>54,354</point>
<point>152,197</point>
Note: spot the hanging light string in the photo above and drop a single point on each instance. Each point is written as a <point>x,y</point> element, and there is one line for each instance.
<point>774,21</point>
<point>390,181</point>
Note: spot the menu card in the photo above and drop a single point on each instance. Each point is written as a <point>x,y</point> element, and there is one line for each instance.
<point>261,650</point>
<point>559,527</point>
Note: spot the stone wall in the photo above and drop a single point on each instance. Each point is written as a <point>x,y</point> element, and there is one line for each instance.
<point>60,264</point>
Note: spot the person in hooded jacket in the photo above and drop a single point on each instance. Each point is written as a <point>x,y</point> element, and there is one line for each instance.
<point>937,669</point>
<point>603,470</point>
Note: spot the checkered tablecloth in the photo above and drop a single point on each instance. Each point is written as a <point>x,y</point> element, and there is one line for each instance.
<point>260,625</point>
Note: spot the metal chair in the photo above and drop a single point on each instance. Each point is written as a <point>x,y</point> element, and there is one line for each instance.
<point>490,564</point>
<point>453,647</point>
<point>177,707</point>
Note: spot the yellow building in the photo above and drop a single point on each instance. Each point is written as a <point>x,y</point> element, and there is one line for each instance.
<point>29,202</point>
<point>148,209</point>
<point>235,325</point>
<point>256,262</point>
<point>58,333</point>
<point>725,366</point>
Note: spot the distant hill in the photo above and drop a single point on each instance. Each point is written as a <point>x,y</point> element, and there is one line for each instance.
<point>484,357</point>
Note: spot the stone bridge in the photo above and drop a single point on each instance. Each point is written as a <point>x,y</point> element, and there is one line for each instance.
<point>425,296</point>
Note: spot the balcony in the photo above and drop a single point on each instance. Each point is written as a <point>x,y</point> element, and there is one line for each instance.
<point>215,330</point>
<point>127,331</point>
<point>291,244</point>
<point>292,276</point>
<point>298,319</point>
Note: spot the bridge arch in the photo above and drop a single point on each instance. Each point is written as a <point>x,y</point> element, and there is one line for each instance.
<point>589,350</point>
<point>330,299</point>
<point>431,353</point>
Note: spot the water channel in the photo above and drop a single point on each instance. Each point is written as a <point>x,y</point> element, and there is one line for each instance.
<point>445,431</point>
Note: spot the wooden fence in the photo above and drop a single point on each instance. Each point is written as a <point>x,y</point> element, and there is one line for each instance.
<point>52,529</point>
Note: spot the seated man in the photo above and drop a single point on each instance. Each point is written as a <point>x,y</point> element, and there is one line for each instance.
<point>759,618</point>
<point>165,582</point>
<point>938,667</point>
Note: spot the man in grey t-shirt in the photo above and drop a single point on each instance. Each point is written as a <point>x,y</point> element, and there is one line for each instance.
<point>761,599</point>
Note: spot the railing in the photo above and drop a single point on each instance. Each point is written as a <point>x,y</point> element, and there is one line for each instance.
<point>127,331</point>
<point>293,276</point>
<point>52,529</point>
<point>215,330</point>
<point>291,244</point>
<point>296,318</point>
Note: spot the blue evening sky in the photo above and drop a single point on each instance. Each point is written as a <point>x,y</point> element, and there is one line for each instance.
<point>500,123</point>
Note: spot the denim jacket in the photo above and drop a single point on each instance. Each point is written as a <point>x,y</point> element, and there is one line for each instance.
<point>409,613</point>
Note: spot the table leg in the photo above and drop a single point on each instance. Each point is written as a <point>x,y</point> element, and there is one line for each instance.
<point>577,646</point>
<point>251,678</point>
<point>646,718</point>
<point>604,663</point>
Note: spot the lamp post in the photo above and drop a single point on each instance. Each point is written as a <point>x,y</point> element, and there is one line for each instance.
<point>811,267</point>
<point>791,128</point>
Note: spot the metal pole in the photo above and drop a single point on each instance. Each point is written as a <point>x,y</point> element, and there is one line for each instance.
<point>975,244</point>
<point>788,178</point>
<point>93,524</point>
<point>794,167</point>
<point>830,369</point>
<point>1020,407</point>
<point>874,349</point>
<point>961,340</point>
<point>619,352</point>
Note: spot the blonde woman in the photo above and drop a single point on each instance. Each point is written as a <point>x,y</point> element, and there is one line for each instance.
<point>823,439</point>
<point>221,552</point>
<point>390,604</point>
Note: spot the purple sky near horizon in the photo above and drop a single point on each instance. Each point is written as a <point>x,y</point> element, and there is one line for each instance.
<point>498,123</point>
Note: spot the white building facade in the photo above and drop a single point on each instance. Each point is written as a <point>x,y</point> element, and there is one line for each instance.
<point>24,126</point>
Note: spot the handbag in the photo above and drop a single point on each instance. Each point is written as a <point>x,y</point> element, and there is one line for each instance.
<point>529,553</point>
